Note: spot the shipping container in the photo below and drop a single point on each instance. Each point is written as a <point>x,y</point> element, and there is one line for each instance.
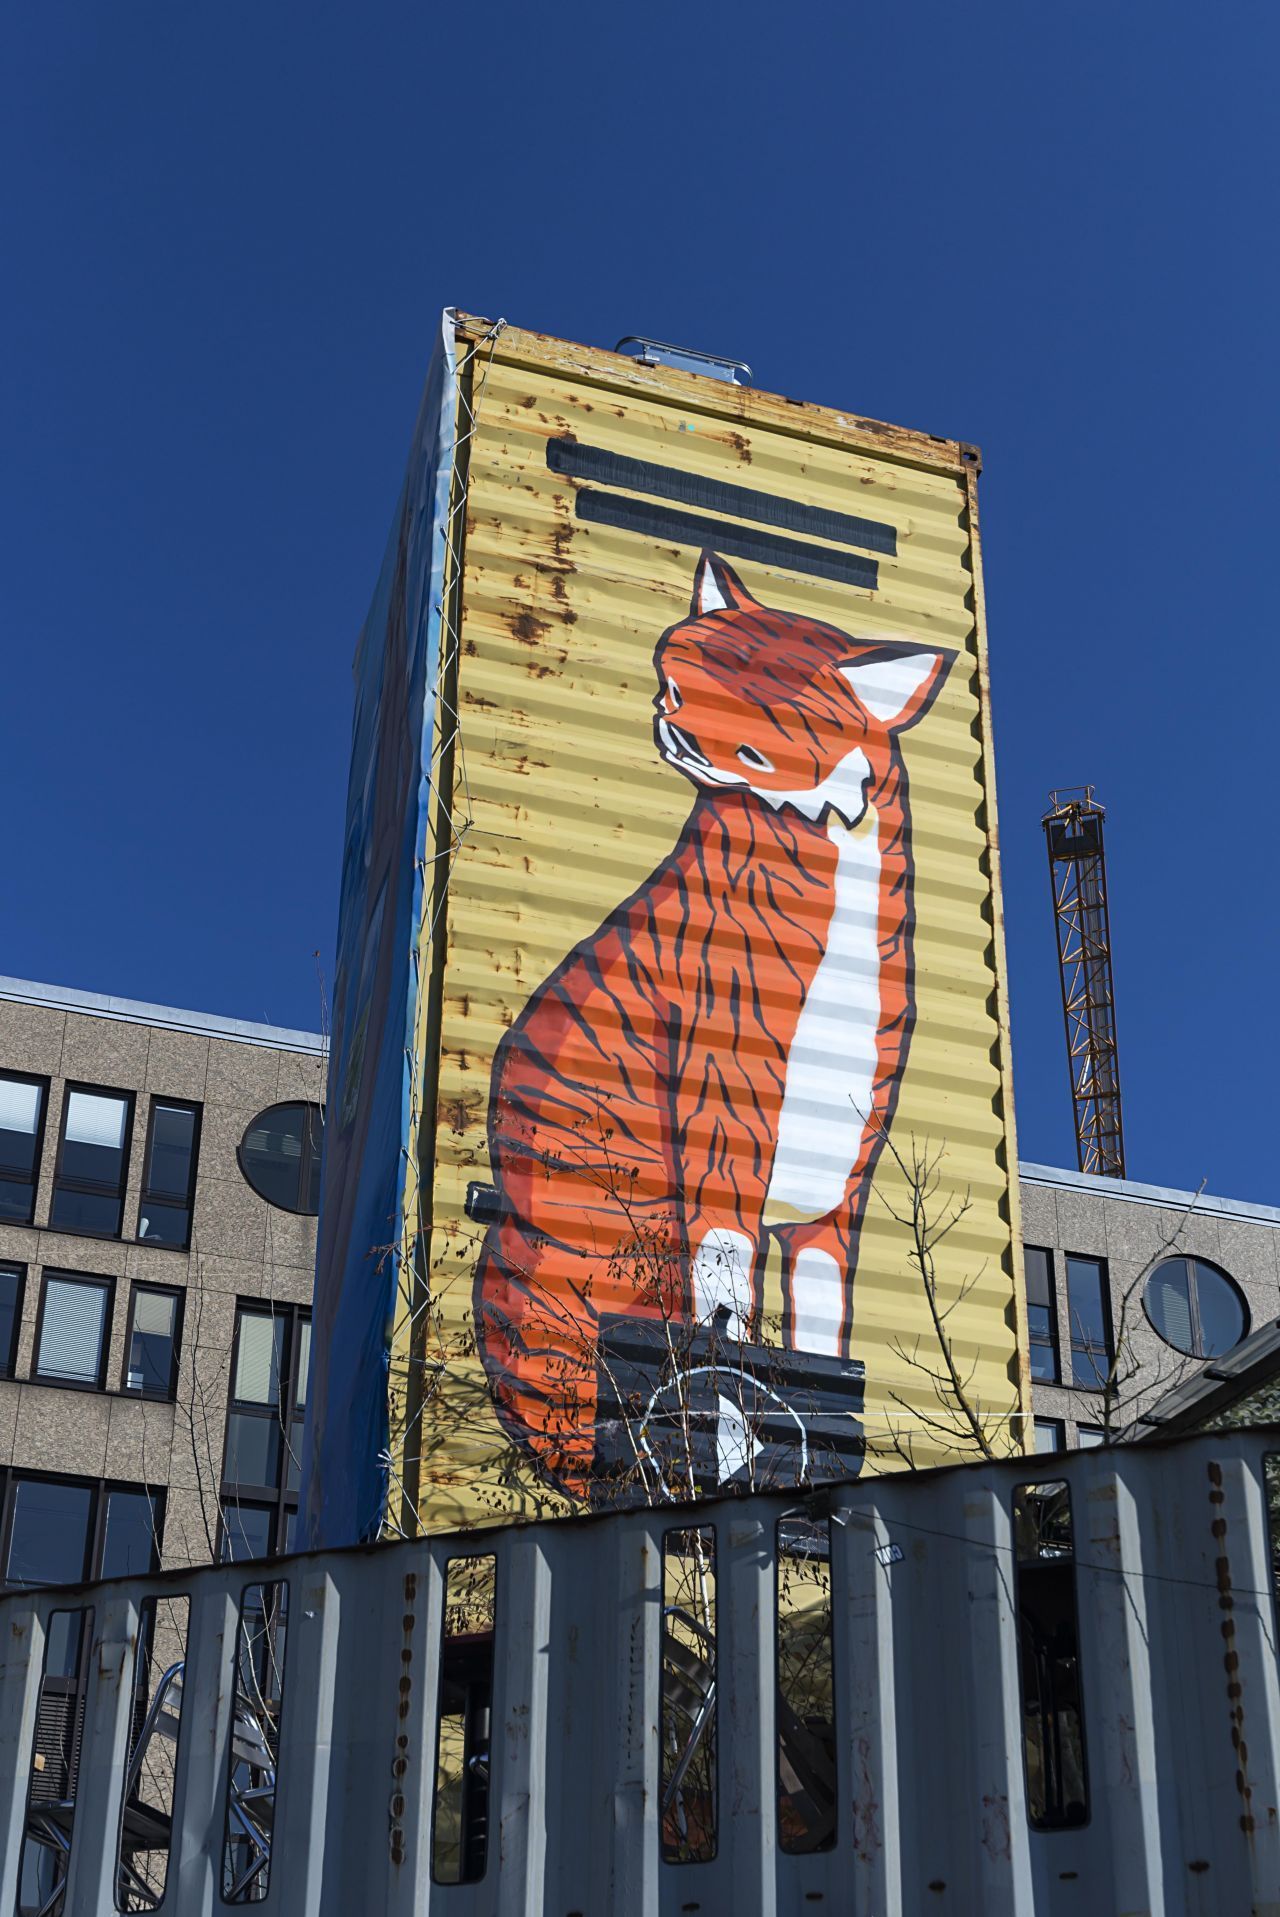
<point>669,1134</point>
<point>1029,1688</point>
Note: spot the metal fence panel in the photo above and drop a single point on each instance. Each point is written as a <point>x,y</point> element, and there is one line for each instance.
<point>1179,1683</point>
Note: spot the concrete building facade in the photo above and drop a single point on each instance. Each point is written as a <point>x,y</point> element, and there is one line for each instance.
<point>1182,1279</point>
<point>158,1182</point>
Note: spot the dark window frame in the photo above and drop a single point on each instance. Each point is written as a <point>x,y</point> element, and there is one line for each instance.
<point>1189,1260</point>
<point>103,1488</point>
<point>310,1153</point>
<point>85,1186</point>
<point>9,1363</point>
<point>37,1159</point>
<point>278,1499</point>
<point>11,1476</point>
<point>1025,1569</point>
<point>164,1200</point>
<point>1108,1324</point>
<point>1053,1343</point>
<point>160,1291</point>
<point>102,1282</point>
<point>1060,1428</point>
<point>466,1677</point>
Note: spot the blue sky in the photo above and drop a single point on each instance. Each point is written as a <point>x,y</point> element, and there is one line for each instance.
<point>228,233</point>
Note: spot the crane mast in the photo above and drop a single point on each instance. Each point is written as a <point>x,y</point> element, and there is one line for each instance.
<point>1073,829</point>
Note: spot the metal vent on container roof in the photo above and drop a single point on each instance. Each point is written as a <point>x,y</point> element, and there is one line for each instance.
<point>654,352</point>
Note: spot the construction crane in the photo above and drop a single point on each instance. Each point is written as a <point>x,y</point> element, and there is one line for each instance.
<point>1078,874</point>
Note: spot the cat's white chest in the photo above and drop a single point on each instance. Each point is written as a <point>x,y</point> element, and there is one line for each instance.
<point>831,1065</point>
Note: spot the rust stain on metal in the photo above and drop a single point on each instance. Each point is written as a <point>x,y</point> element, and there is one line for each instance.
<point>1125,1726</point>
<point>1230,1655</point>
<point>526,628</point>
<point>400,1762</point>
<point>867,1837</point>
<point>559,539</point>
<point>995,1827</point>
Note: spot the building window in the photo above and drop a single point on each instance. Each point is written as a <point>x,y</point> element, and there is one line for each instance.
<point>66,1530</point>
<point>1090,1321</point>
<point>50,1532</point>
<point>130,1520</point>
<point>1050,1434</point>
<point>151,1342</point>
<point>22,1108</point>
<point>280,1156</point>
<point>93,1159</point>
<point>12,1284</point>
<point>261,1465</point>
<point>1049,1658</point>
<point>1090,1436</point>
<point>1195,1307</point>
<point>169,1174</point>
<point>1042,1314</point>
<point>72,1332</point>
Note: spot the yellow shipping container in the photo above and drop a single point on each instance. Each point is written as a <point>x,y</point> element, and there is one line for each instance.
<point>707,1042</point>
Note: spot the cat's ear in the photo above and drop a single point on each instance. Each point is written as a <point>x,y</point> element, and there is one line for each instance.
<point>897,686</point>
<point>717,588</point>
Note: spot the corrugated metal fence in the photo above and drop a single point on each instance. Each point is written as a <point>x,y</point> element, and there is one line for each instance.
<point>1151,1709</point>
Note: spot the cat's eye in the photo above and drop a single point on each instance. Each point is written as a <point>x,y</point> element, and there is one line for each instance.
<point>749,756</point>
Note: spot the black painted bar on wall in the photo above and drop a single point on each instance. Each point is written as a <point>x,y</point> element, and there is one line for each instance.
<point>722,535</point>
<point>576,461</point>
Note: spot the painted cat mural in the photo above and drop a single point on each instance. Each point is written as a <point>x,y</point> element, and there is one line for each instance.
<point>705,1077</point>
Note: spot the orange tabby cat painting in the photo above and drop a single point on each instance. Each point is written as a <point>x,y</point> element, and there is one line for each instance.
<point>717,1065</point>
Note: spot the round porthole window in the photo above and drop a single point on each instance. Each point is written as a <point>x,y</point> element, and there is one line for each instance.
<point>1195,1307</point>
<point>280,1156</point>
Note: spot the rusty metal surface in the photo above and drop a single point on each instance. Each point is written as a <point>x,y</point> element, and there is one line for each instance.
<point>577,547</point>
<point>1178,1673</point>
<point>584,489</point>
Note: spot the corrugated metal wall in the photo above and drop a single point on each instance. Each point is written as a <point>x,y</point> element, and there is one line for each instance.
<point>1178,1679</point>
<point>580,551</point>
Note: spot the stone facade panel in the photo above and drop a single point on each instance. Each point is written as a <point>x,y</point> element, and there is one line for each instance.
<point>230,1219</point>
<point>33,1037</point>
<point>1039,1208</point>
<point>105,1051</point>
<point>10,1396</point>
<point>241,1075</point>
<point>177,1066</point>
<point>62,1430</point>
<point>301,1077</point>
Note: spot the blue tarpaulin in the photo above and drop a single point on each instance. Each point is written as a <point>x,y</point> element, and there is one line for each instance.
<point>375,1001</point>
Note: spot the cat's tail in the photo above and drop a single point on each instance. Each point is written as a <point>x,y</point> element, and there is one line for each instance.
<point>543,1310</point>
<point>537,1341</point>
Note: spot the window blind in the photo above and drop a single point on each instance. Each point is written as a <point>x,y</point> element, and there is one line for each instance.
<point>71,1331</point>
<point>257,1363</point>
<point>19,1106</point>
<point>304,1364</point>
<point>95,1120</point>
<point>153,1314</point>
